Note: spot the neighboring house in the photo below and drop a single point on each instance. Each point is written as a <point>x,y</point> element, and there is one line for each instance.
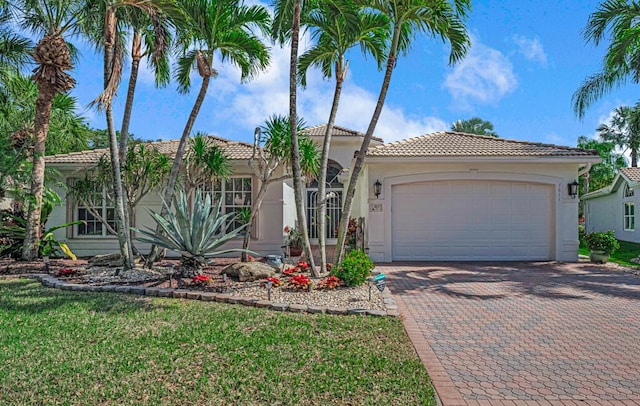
<point>442,196</point>
<point>614,207</point>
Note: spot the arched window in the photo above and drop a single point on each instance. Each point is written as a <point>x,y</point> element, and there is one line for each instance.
<point>628,192</point>
<point>334,202</point>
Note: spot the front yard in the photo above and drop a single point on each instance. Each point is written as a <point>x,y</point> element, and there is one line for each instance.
<point>60,347</point>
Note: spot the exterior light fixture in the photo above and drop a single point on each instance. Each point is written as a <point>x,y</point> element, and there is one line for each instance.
<point>572,189</point>
<point>377,188</point>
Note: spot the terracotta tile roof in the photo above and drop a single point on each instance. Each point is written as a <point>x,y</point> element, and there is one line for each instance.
<point>235,151</point>
<point>631,173</point>
<point>319,130</point>
<point>453,144</point>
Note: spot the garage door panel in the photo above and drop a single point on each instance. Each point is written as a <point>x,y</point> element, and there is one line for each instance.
<point>472,220</point>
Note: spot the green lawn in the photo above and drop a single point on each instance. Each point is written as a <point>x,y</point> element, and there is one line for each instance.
<point>61,347</point>
<point>627,251</point>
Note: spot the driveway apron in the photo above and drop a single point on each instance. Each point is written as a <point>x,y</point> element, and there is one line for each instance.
<point>523,333</point>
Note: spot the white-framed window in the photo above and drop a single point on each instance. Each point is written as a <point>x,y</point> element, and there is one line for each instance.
<point>236,193</point>
<point>92,225</point>
<point>629,217</point>
<point>628,192</point>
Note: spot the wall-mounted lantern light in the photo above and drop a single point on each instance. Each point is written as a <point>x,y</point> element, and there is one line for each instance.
<point>572,189</point>
<point>377,188</point>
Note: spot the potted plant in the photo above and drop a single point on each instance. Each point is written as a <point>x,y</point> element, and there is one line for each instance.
<point>293,241</point>
<point>601,244</point>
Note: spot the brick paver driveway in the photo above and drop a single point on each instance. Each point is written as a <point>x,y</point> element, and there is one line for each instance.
<point>523,333</point>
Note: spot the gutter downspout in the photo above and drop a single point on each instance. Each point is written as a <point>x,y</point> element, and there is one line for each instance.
<point>585,171</point>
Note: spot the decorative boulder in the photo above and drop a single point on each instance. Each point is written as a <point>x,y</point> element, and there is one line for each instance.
<point>249,271</point>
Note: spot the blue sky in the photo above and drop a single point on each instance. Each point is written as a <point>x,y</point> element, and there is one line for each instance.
<point>526,61</point>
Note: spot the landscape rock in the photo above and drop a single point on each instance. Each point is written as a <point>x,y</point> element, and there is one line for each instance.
<point>111,260</point>
<point>249,271</point>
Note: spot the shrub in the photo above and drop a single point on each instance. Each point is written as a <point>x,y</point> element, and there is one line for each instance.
<point>602,241</point>
<point>300,281</point>
<point>195,231</point>
<point>201,280</point>
<point>581,233</point>
<point>354,268</point>
<point>66,272</point>
<point>330,282</point>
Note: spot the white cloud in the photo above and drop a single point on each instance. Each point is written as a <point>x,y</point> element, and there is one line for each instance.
<point>248,105</point>
<point>485,76</point>
<point>531,49</point>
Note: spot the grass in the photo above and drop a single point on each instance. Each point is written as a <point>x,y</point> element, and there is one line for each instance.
<point>61,347</point>
<point>628,251</point>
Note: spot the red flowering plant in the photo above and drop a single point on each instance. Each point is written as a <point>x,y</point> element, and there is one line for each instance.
<point>290,271</point>
<point>201,280</point>
<point>330,282</point>
<point>66,272</point>
<point>303,266</point>
<point>300,281</point>
<point>275,281</point>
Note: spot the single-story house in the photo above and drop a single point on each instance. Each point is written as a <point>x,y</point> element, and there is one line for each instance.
<point>440,196</point>
<point>614,207</point>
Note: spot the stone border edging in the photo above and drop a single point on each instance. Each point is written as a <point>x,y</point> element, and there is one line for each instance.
<point>53,282</point>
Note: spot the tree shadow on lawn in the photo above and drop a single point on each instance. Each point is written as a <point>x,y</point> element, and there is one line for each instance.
<point>486,281</point>
<point>29,296</point>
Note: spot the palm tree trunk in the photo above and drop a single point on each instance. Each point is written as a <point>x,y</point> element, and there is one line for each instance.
<point>177,161</point>
<point>128,108</point>
<point>124,237</point>
<point>322,180</point>
<point>357,166</point>
<point>41,126</point>
<point>295,148</point>
<point>133,79</point>
<point>634,157</point>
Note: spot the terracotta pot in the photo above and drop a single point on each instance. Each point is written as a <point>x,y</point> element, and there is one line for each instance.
<point>295,251</point>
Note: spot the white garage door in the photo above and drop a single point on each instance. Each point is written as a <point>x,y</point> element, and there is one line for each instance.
<point>472,220</point>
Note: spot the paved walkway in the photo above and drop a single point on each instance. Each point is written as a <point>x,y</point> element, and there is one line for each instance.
<point>523,333</point>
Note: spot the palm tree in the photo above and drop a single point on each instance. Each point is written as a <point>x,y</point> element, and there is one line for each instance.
<point>151,39</point>
<point>337,27</point>
<point>224,27</point>
<point>271,150</point>
<point>438,18</point>
<point>286,27</point>
<point>622,60</point>
<point>52,22</point>
<point>623,130</point>
<point>474,125</point>
<point>113,60</point>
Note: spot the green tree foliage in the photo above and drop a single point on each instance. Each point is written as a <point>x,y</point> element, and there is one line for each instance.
<point>474,125</point>
<point>623,130</point>
<point>602,174</point>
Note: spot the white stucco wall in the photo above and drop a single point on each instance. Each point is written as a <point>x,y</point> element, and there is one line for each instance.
<point>606,213</point>
<point>557,175</point>
<point>268,233</point>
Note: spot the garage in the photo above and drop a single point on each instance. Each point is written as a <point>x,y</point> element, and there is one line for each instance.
<point>472,220</point>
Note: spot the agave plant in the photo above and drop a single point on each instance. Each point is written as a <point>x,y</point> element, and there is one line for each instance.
<point>195,231</point>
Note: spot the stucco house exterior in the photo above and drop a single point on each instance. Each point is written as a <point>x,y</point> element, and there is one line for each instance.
<point>442,196</point>
<point>614,207</point>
